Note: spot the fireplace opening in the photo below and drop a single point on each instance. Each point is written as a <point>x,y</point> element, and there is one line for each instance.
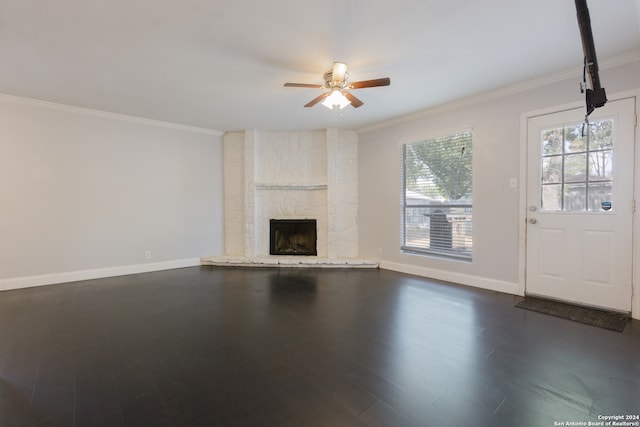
<point>292,237</point>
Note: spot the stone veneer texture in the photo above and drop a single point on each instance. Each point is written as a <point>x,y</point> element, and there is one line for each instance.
<point>291,175</point>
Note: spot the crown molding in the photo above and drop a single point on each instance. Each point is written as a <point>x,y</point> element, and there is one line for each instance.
<point>612,62</point>
<point>107,115</point>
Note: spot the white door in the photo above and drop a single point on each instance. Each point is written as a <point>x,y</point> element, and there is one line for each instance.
<point>580,206</point>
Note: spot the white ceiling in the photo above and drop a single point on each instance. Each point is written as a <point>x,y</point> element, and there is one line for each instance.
<point>222,64</point>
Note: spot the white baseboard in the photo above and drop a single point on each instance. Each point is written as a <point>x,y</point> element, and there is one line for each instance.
<point>99,273</point>
<point>449,276</point>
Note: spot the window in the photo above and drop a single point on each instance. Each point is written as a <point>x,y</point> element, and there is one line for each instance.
<point>436,196</point>
<point>577,168</point>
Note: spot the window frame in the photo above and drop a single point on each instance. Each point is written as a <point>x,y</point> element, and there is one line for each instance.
<point>466,256</point>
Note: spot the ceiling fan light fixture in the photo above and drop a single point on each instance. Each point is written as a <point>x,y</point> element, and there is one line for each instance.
<point>339,73</point>
<point>338,87</point>
<point>336,99</point>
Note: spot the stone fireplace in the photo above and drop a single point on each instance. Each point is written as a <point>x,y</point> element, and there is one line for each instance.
<point>290,176</point>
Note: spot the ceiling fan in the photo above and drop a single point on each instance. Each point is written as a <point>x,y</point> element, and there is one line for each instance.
<point>336,81</point>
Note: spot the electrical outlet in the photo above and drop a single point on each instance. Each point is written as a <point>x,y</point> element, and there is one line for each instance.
<point>147,254</point>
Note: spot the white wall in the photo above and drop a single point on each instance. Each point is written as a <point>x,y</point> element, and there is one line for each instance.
<point>84,194</point>
<point>497,139</point>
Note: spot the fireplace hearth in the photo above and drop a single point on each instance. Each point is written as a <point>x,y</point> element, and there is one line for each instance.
<point>293,237</point>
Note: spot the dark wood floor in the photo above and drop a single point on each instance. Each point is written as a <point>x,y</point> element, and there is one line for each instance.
<point>301,347</point>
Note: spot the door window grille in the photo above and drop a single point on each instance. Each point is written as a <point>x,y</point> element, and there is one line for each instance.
<point>577,167</point>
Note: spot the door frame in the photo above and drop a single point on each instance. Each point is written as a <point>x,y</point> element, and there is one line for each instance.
<point>522,208</point>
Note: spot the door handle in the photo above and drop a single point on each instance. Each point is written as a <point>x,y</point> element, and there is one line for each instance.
<point>532,220</point>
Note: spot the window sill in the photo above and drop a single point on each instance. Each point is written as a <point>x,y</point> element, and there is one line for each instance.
<point>452,256</point>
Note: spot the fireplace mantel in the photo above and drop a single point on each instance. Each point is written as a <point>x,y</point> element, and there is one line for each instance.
<point>264,186</point>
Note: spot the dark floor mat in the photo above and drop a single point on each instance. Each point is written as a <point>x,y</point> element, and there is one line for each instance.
<point>602,319</point>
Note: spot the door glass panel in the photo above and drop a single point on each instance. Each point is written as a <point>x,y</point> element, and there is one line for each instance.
<point>577,167</point>
<point>601,165</point>
<point>600,196</point>
<point>575,197</point>
<point>552,170</point>
<point>601,136</point>
<point>574,142</point>
<point>552,197</point>
<point>552,141</point>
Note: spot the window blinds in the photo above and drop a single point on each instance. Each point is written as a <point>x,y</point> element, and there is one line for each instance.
<point>437,196</point>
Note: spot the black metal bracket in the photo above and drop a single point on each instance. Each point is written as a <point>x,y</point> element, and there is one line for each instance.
<point>595,95</point>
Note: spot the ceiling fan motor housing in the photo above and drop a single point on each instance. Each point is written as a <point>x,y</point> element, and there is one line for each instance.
<point>330,83</point>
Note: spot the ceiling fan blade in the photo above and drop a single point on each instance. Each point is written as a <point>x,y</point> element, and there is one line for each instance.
<point>302,85</point>
<point>355,102</point>
<point>386,81</point>
<point>317,99</point>
<point>339,72</point>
